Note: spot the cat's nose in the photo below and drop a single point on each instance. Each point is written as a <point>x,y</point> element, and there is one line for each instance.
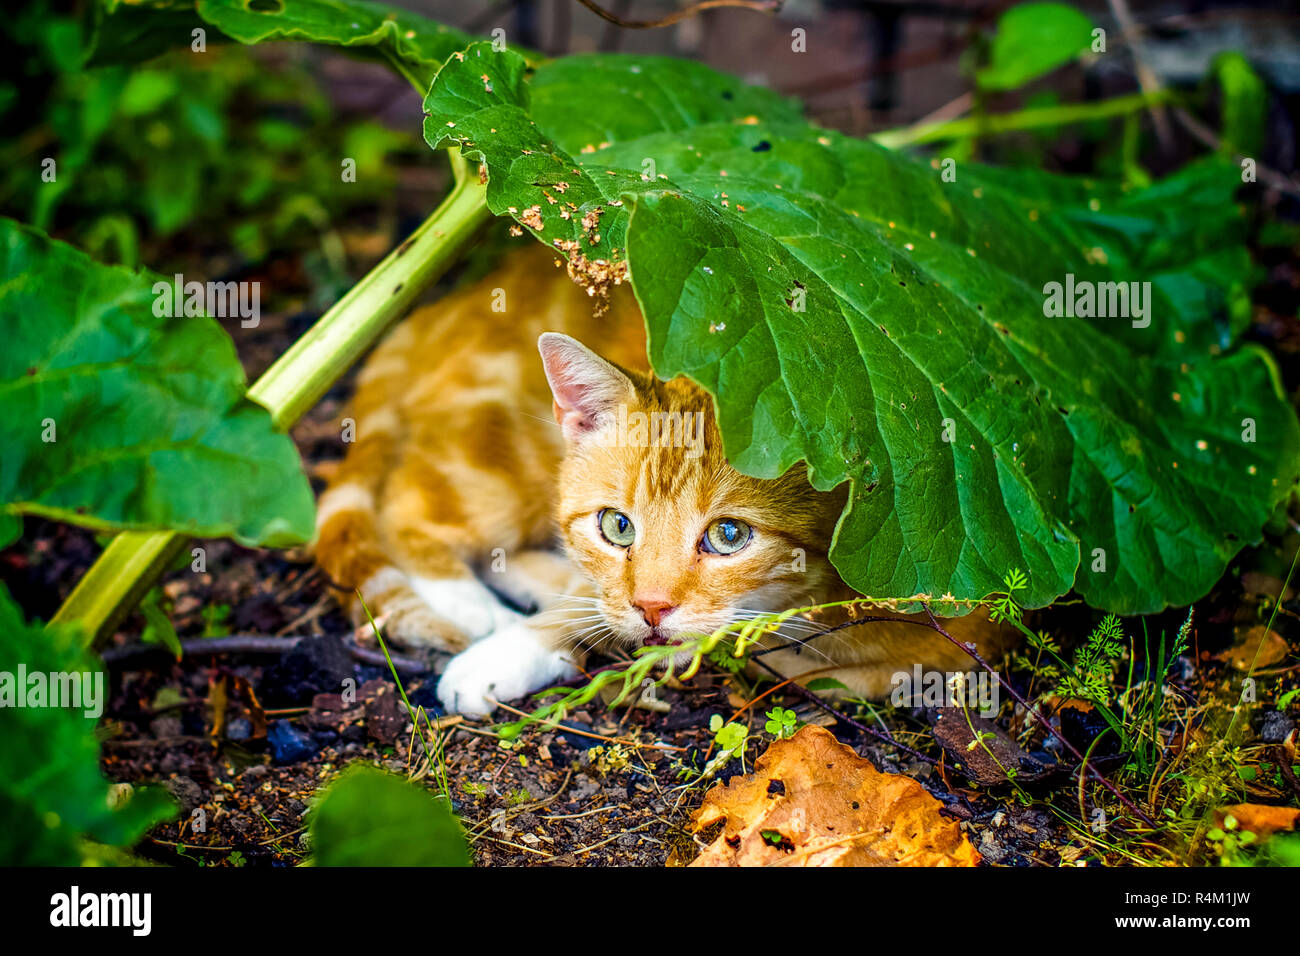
<point>653,607</point>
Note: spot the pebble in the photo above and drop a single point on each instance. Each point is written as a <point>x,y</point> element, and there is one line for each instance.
<point>289,744</point>
<point>1275,727</point>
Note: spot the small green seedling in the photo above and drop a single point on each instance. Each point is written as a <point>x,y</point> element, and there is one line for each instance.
<point>781,723</point>
<point>727,736</point>
<point>730,739</point>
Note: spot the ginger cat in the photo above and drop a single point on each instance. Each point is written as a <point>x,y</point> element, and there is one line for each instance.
<point>474,460</point>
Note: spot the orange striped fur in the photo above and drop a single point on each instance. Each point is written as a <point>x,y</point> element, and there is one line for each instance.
<point>459,479</point>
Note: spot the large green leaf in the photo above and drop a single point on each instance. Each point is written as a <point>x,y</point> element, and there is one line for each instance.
<point>417,45</point>
<point>369,817</point>
<point>1076,441</point>
<point>128,30</point>
<point>1033,39</point>
<point>52,794</point>
<point>115,418</point>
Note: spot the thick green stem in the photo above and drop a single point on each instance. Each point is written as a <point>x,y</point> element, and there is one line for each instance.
<point>134,559</point>
<point>1020,120</point>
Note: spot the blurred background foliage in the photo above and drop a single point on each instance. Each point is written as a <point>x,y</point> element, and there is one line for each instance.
<point>221,156</point>
<point>226,163</point>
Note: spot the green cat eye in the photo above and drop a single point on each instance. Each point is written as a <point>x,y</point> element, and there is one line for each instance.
<point>727,536</point>
<point>616,527</point>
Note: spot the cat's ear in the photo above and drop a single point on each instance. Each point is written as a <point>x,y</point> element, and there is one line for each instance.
<point>587,389</point>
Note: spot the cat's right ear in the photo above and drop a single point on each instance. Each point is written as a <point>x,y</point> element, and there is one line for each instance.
<point>587,389</point>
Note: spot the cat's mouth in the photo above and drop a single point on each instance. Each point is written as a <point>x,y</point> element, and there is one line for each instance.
<point>658,637</point>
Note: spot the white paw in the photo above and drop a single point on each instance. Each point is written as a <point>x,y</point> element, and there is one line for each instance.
<point>466,603</point>
<point>504,666</point>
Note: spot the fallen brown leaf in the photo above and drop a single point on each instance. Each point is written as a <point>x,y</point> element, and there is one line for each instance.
<point>1258,818</point>
<point>1258,646</point>
<point>987,760</point>
<point>812,801</point>
<point>1256,584</point>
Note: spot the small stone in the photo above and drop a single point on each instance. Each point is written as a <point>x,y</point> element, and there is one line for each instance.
<point>385,714</point>
<point>289,744</point>
<point>1275,727</point>
<point>187,793</point>
<point>315,665</point>
<point>165,726</point>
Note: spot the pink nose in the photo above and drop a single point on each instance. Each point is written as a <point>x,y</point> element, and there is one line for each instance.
<point>654,608</point>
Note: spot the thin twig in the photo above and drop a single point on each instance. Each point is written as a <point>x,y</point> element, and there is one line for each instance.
<point>1147,78</point>
<point>595,846</point>
<point>508,814</point>
<point>761,6</point>
<point>873,619</point>
<point>563,729</point>
<point>855,724</point>
<point>255,644</point>
<point>1266,174</point>
<point>517,846</point>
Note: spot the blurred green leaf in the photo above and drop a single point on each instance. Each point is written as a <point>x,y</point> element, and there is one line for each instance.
<point>369,817</point>
<point>119,233</point>
<point>158,627</point>
<point>1243,105</point>
<point>130,31</point>
<point>52,794</point>
<point>11,528</point>
<point>205,121</point>
<point>116,418</point>
<point>413,44</point>
<point>1033,39</point>
<point>172,191</point>
<point>146,91</point>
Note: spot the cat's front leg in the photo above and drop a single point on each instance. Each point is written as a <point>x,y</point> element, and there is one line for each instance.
<point>508,664</point>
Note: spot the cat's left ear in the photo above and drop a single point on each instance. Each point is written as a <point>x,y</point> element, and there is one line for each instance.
<point>587,389</point>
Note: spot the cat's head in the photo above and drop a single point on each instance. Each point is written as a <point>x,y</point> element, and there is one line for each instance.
<point>676,540</point>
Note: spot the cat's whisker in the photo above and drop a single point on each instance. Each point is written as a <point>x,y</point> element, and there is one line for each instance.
<point>569,597</point>
<point>792,641</point>
<point>591,637</point>
<point>576,609</point>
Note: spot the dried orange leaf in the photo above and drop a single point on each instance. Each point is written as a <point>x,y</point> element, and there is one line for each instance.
<point>1260,819</point>
<point>812,801</point>
<point>1255,647</point>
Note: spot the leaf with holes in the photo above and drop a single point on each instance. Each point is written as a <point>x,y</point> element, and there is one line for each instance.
<point>812,801</point>
<point>853,307</point>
